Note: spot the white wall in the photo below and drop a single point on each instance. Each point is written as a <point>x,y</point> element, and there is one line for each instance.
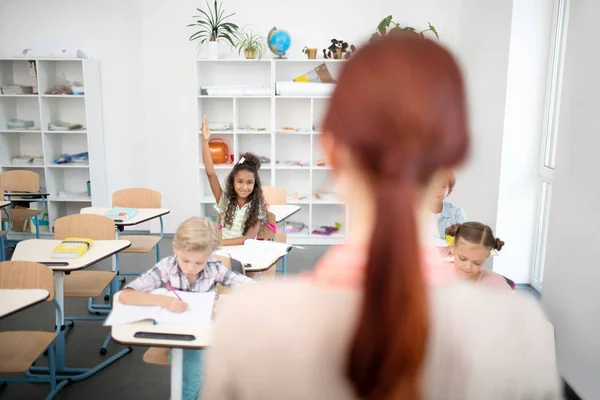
<point>483,47</point>
<point>570,293</point>
<point>148,76</point>
<point>525,102</point>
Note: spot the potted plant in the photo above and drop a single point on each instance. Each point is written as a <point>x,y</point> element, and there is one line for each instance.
<point>310,53</point>
<point>212,26</point>
<point>251,44</point>
<point>339,49</point>
<point>384,25</point>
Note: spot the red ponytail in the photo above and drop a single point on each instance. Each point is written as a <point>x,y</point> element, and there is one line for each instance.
<point>399,108</point>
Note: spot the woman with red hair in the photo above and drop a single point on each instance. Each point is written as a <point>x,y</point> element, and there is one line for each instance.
<point>396,119</point>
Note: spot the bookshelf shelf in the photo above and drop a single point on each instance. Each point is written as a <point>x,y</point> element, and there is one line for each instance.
<point>272,113</point>
<point>71,179</point>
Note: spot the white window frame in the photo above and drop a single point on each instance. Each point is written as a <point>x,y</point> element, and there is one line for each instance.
<point>549,136</point>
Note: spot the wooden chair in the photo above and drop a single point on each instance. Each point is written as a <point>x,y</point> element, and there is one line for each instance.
<point>22,181</point>
<point>20,349</point>
<point>88,284</point>
<point>274,195</point>
<point>140,198</point>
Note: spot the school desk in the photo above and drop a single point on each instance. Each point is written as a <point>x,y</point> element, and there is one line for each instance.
<point>143,215</point>
<point>14,300</point>
<point>4,203</point>
<point>40,250</point>
<point>125,334</point>
<point>260,267</point>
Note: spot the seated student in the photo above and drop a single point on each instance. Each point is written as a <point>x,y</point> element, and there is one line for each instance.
<point>242,204</point>
<point>443,212</point>
<point>190,270</point>
<point>472,246</point>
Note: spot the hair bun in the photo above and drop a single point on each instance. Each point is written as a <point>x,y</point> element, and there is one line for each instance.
<point>452,230</point>
<point>251,160</point>
<point>499,244</point>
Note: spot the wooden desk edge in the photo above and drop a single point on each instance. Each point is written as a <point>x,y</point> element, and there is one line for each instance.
<point>128,223</point>
<point>155,344</point>
<point>273,265</point>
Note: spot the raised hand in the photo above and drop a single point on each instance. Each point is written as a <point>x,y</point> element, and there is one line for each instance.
<point>205,129</point>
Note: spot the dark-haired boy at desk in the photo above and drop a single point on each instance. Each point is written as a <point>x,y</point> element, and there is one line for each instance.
<point>188,270</point>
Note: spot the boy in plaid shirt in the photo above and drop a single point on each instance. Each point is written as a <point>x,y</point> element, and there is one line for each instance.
<point>190,270</point>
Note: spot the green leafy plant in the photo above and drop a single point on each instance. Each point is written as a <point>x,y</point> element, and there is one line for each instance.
<point>251,44</point>
<point>305,50</point>
<point>384,29</point>
<point>213,25</point>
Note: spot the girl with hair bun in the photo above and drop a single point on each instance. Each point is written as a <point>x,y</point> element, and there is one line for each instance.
<point>473,244</point>
<point>242,204</point>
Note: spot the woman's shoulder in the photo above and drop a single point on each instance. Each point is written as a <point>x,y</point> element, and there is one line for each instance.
<point>493,340</point>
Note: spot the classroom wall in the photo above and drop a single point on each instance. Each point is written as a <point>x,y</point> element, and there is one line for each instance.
<point>148,75</point>
<point>570,295</point>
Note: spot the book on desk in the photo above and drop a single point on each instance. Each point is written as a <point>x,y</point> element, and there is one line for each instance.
<point>122,214</point>
<point>72,248</point>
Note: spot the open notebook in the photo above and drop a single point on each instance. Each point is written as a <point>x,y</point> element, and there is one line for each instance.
<point>256,252</point>
<point>199,311</point>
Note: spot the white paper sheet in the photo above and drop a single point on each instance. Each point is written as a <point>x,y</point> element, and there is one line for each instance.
<point>199,311</point>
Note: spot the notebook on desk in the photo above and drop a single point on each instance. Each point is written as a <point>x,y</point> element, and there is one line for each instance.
<point>256,252</point>
<point>199,311</point>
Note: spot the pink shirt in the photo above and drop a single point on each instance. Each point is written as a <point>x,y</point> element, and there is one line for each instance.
<point>491,279</point>
<point>344,266</point>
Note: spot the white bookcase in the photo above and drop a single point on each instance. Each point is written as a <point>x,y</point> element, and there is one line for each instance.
<point>66,183</point>
<point>271,113</point>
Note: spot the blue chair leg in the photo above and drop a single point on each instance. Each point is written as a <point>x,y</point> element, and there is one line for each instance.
<point>158,252</point>
<point>2,249</point>
<point>37,227</point>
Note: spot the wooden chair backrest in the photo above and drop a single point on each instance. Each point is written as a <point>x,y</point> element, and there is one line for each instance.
<point>20,181</point>
<point>266,232</point>
<point>227,262</point>
<point>274,195</point>
<point>136,198</point>
<point>26,275</point>
<point>91,226</point>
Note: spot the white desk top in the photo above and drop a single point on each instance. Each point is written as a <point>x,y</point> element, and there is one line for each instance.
<point>144,214</point>
<point>124,334</point>
<point>4,203</point>
<point>224,251</point>
<point>283,211</point>
<point>13,300</point>
<point>40,250</point>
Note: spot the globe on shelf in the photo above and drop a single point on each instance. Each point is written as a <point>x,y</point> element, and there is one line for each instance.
<point>279,42</point>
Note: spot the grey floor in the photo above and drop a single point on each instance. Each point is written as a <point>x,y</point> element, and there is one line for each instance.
<point>129,377</point>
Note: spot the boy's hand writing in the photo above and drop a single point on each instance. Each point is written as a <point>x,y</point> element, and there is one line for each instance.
<point>205,129</point>
<point>174,305</point>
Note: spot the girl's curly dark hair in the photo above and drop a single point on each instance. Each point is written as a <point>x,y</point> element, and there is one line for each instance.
<point>257,201</point>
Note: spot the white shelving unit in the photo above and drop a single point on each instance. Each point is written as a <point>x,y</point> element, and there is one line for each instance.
<point>86,109</point>
<point>258,123</point>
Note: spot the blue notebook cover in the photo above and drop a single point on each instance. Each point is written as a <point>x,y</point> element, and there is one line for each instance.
<point>122,213</point>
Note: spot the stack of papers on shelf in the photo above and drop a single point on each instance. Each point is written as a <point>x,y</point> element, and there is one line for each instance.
<point>72,248</point>
<point>303,89</point>
<point>16,89</point>
<point>63,126</point>
<point>235,91</point>
<point>122,214</point>
<point>199,312</point>
<point>16,123</point>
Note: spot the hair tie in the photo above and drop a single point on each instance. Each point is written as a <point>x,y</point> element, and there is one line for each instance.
<point>242,160</point>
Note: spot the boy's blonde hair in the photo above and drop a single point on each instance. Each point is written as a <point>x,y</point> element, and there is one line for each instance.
<point>197,234</point>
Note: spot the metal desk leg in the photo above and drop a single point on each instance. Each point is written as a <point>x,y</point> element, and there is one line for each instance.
<point>176,374</point>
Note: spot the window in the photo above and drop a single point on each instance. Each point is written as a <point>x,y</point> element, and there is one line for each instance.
<point>549,138</point>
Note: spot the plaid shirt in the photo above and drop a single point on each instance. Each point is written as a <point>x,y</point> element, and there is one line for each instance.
<point>167,270</point>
